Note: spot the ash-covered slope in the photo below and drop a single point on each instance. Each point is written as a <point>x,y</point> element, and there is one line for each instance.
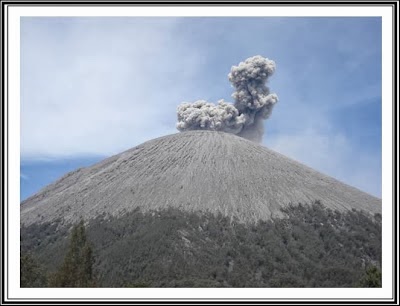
<point>193,171</point>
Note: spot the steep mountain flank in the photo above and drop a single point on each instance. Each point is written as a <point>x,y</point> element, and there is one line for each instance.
<point>193,171</point>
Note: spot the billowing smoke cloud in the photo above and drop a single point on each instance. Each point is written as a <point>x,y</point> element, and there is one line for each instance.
<point>253,103</point>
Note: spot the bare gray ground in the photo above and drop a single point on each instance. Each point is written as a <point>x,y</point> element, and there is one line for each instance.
<point>194,170</point>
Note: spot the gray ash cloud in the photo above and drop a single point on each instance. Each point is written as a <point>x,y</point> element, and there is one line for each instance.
<point>245,117</point>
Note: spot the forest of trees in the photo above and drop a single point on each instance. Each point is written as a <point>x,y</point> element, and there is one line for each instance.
<point>76,269</point>
<point>312,247</point>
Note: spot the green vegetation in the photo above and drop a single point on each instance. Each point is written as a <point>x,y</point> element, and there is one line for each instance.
<point>32,274</point>
<point>372,278</point>
<point>77,268</point>
<point>312,247</point>
<point>75,271</point>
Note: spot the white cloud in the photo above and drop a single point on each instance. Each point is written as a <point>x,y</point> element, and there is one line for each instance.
<point>100,87</point>
<point>332,154</point>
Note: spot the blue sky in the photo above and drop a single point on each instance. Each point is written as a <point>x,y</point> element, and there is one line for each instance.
<point>93,87</point>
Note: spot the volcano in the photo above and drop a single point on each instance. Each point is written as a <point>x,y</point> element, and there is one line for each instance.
<point>192,171</point>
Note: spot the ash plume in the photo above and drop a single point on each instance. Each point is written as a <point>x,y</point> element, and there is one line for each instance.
<point>253,103</point>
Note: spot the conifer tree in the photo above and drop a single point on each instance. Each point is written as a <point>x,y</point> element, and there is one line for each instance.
<point>77,268</point>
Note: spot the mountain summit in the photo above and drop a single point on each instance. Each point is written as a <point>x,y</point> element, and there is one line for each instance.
<point>193,171</point>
